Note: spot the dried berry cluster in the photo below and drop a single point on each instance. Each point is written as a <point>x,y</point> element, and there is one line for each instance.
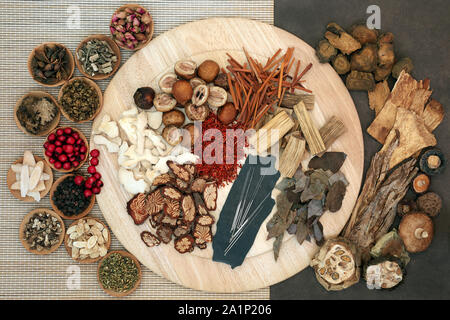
<point>178,207</point>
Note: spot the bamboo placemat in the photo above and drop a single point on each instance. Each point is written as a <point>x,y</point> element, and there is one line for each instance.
<point>23,25</point>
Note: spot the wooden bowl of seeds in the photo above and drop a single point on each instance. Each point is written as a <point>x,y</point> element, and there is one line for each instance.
<point>73,108</point>
<point>61,213</point>
<point>112,277</point>
<point>47,67</point>
<point>14,184</point>
<point>37,96</point>
<point>103,63</point>
<point>33,233</point>
<point>87,240</point>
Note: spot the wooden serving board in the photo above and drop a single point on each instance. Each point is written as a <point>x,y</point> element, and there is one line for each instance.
<point>212,39</point>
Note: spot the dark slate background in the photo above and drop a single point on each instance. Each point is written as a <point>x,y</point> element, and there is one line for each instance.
<point>422,32</point>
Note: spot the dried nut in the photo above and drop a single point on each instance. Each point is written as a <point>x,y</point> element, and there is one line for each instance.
<point>221,81</point>
<point>72,229</point>
<point>185,69</point>
<point>163,102</point>
<point>105,234</point>
<point>200,95</point>
<point>166,82</point>
<point>227,113</point>
<point>208,70</point>
<point>143,97</point>
<point>217,97</point>
<point>182,91</point>
<point>195,82</point>
<point>196,113</point>
<point>172,135</point>
<point>174,117</point>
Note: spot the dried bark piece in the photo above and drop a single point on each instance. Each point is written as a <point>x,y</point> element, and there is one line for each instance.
<point>309,130</point>
<point>172,208</point>
<point>210,196</point>
<point>292,155</point>
<point>433,114</point>
<point>291,99</point>
<point>162,180</point>
<point>198,185</point>
<point>379,96</point>
<point>331,131</point>
<point>200,205</point>
<point>206,220</point>
<point>169,221</point>
<point>155,202</point>
<point>184,244</point>
<point>179,171</point>
<point>188,208</point>
<point>136,208</point>
<point>202,233</point>
<point>340,39</point>
<point>150,239</point>
<point>164,234</point>
<point>171,192</point>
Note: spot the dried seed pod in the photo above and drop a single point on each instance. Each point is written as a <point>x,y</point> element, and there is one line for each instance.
<point>172,135</point>
<point>179,171</point>
<point>164,102</point>
<point>164,234</point>
<point>184,244</point>
<point>150,239</point>
<point>198,185</point>
<point>188,208</point>
<point>171,192</point>
<point>217,97</point>
<point>173,118</point>
<point>172,208</point>
<point>325,51</point>
<point>143,97</point>
<point>196,113</point>
<point>155,202</point>
<point>208,70</point>
<point>200,95</point>
<point>166,82</point>
<point>185,69</point>
<point>430,203</point>
<point>137,208</point>
<point>195,82</point>
<point>210,196</point>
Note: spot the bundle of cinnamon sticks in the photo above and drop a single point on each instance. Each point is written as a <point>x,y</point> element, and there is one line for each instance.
<point>255,88</point>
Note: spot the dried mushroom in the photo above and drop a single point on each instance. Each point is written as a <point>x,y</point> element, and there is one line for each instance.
<point>421,183</point>
<point>172,135</point>
<point>416,230</point>
<point>406,206</point>
<point>384,273</point>
<point>432,162</point>
<point>336,264</point>
<point>430,203</point>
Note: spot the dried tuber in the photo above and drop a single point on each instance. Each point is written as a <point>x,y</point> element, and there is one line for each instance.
<point>402,64</point>
<point>357,80</point>
<point>363,34</point>
<point>340,39</point>
<point>341,64</point>
<point>325,51</point>
<point>365,60</point>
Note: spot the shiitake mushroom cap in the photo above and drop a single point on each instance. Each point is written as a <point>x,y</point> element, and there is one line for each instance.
<point>416,230</point>
<point>424,162</point>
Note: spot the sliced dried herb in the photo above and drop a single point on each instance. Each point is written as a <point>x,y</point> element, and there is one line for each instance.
<point>118,273</point>
<point>332,161</point>
<point>96,57</point>
<point>36,114</point>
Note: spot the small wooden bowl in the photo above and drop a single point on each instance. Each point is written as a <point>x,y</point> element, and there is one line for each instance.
<point>150,34</point>
<point>92,84</point>
<point>59,212</point>
<point>27,218</point>
<point>120,294</point>
<point>88,260</point>
<point>114,47</point>
<point>71,63</point>
<point>11,178</point>
<point>82,136</point>
<point>38,94</point>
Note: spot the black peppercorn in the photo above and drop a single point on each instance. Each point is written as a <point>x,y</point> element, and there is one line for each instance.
<point>69,197</point>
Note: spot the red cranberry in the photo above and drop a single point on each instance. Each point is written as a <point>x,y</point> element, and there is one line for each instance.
<point>90,180</point>
<point>52,137</point>
<point>79,180</point>
<point>59,150</point>
<point>51,147</point>
<point>88,185</point>
<point>62,158</point>
<point>58,143</point>
<point>83,149</point>
<point>91,169</point>
<point>75,135</point>
<point>96,190</point>
<point>97,176</point>
<point>52,160</point>
<point>79,141</point>
<point>67,130</point>
<point>57,165</point>
<point>82,157</point>
<point>62,138</point>
<point>68,148</point>
<point>72,158</point>
<point>48,153</point>
<point>95,153</point>
<point>94,161</point>
<point>87,193</point>
<point>70,140</point>
<point>46,144</point>
<point>75,163</point>
<point>99,183</point>
<point>59,132</point>
<point>67,166</point>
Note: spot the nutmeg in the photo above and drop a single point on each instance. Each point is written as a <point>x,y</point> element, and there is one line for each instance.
<point>182,91</point>
<point>208,70</point>
<point>227,113</point>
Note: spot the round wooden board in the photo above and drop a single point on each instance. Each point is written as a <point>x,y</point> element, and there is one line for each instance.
<point>212,39</point>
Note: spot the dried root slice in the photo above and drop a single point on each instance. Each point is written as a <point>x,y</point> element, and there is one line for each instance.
<point>171,192</point>
<point>188,207</point>
<point>200,205</point>
<point>162,180</point>
<point>168,221</point>
<point>181,184</point>
<point>181,230</point>
<point>203,233</point>
<point>191,168</point>
<point>172,208</point>
<point>137,208</point>
<point>164,234</point>
<point>210,196</point>
<point>179,171</point>
<point>150,239</point>
<point>155,219</point>
<point>155,202</point>
<point>206,220</point>
<point>202,245</point>
<point>198,185</point>
<point>184,244</point>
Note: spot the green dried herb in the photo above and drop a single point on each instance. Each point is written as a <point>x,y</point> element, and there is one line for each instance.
<point>118,273</point>
<point>97,57</point>
<point>80,100</point>
<point>50,64</point>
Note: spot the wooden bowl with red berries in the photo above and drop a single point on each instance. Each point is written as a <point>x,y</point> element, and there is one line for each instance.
<point>66,149</point>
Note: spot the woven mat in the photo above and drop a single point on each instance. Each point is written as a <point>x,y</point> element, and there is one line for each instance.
<point>27,276</point>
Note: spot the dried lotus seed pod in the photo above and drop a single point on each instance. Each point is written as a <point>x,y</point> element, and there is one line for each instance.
<point>383,273</point>
<point>200,95</point>
<point>196,113</point>
<point>217,96</point>
<point>336,264</point>
<point>185,69</point>
<point>166,82</point>
<point>164,102</point>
